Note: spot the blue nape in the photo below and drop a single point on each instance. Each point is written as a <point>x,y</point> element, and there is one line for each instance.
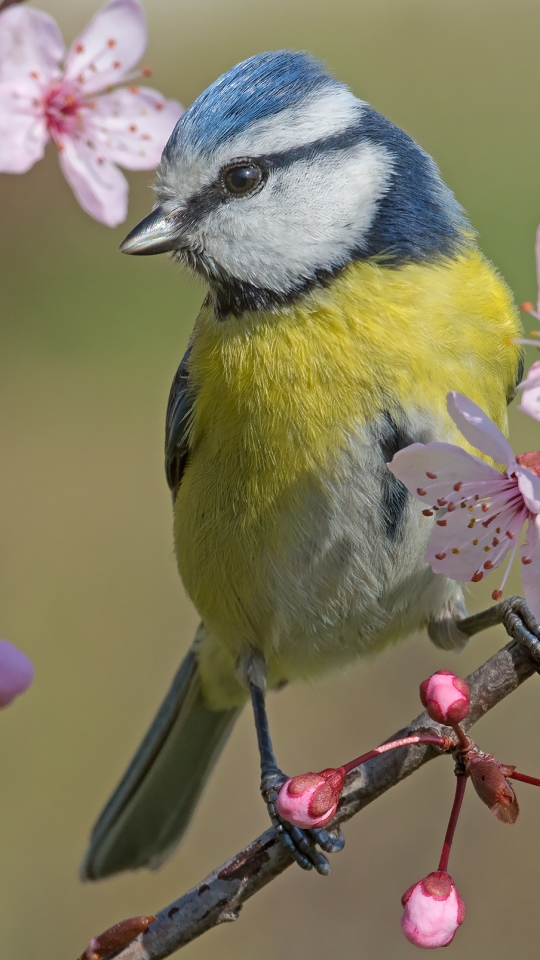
<point>257,88</point>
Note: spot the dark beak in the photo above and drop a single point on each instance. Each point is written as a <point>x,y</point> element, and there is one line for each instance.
<point>155,234</point>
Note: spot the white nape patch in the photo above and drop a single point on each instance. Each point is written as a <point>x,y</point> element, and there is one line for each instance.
<point>319,116</point>
<point>309,216</point>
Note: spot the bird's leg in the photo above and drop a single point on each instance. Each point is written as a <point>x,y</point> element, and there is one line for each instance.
<point>517,620</point>
<point>301,844</point>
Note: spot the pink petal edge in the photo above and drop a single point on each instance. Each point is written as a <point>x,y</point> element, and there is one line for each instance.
<point>23,133</point>
<point>530,398</point>
<point>114,42</point>
<point>478,428</point>
<point>530,572</point>
<point>132,125</point>
<point>16,672</point>
<point>30,42</point>
<point>100,188</point>
<point>447,462</point>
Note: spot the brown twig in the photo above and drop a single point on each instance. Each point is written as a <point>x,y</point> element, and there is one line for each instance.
<point>220,896</point>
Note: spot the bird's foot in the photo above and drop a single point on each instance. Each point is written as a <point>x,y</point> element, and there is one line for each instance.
<point>517,619</point>
<point>521,625</point>
<point>301,844</point>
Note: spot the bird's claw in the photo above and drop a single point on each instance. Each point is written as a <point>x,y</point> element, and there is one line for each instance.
<point>301,844</point>
<point>520,624</point>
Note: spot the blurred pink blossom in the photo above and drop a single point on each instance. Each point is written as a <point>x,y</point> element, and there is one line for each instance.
<point>432,911</point>
<point>479,512</point>
<point>445,697</point>
<point>530,397</point>
<point>16,672</point>
<point>40,100</point>
<point>310,800</point>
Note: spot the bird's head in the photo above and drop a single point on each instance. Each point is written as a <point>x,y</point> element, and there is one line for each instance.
<point>277,176</point>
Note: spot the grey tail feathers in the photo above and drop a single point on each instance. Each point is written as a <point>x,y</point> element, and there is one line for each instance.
<point>151,808</point>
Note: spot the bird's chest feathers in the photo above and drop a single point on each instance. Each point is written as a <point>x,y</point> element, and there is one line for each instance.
<point>279,397</point>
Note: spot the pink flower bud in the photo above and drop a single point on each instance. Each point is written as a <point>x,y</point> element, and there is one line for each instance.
<point>445,697</point>
<point>16,672</point>
<point>433,910</point>
<point>310,800</point>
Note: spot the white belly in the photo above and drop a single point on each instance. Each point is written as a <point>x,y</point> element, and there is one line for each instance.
<point>350,581</point>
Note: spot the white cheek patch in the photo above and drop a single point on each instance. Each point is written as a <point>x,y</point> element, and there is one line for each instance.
<point>308,216</point>
<point>320,116</point>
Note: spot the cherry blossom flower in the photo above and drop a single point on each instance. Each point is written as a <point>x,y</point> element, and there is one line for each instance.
<point>530,400</point>
<point>530,388</point>
<point>16,672</point>
<point>445,697</point>
<point>479,512</point>
<point>432,911</point>
<point>93,127</point>
<point>310,800</point>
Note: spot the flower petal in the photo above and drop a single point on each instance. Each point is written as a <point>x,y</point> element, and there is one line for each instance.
<point>16,672</point>
<point>108,48</point>
<point>530,400</point>
<point>23,132</point>
<point>31,46</point>
<point>432,470</point>
<point>478,429</point>
<point>530,571</point>
<point>466,543</point>
<point>98,185</point>
<point>478,511</point>
<point>529,485</point>
<point>132,125</point>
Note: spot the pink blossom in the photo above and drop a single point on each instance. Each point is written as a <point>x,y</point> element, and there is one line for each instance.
<point>310,800</point>
<point>530,397</point>
<point>433,910</point>
<point>445,697</point>
<point>16,672</point>
<point>530,401</point>
<point>479,513</point>
<point>41,100</point>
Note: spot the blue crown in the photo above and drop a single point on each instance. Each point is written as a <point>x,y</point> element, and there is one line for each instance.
<point>253,90</point>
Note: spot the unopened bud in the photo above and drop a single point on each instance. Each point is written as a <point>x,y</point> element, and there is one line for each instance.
<point>488,778</point>
<point>310,800</point>
<point>115,938</point>
<point>445,697</point>
<point>432,911</point>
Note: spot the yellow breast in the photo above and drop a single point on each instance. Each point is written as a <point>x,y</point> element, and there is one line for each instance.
<point>277,395</point>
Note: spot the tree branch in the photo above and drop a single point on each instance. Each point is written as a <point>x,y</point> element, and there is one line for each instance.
<point>221,895</point>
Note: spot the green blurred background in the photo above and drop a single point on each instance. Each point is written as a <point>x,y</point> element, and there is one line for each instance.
<point>89,344</point>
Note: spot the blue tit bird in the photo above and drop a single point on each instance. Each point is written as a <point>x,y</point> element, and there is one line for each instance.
<point>346,296</point>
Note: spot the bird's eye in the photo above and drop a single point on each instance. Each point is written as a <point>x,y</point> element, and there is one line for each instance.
<point>242,179</point>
